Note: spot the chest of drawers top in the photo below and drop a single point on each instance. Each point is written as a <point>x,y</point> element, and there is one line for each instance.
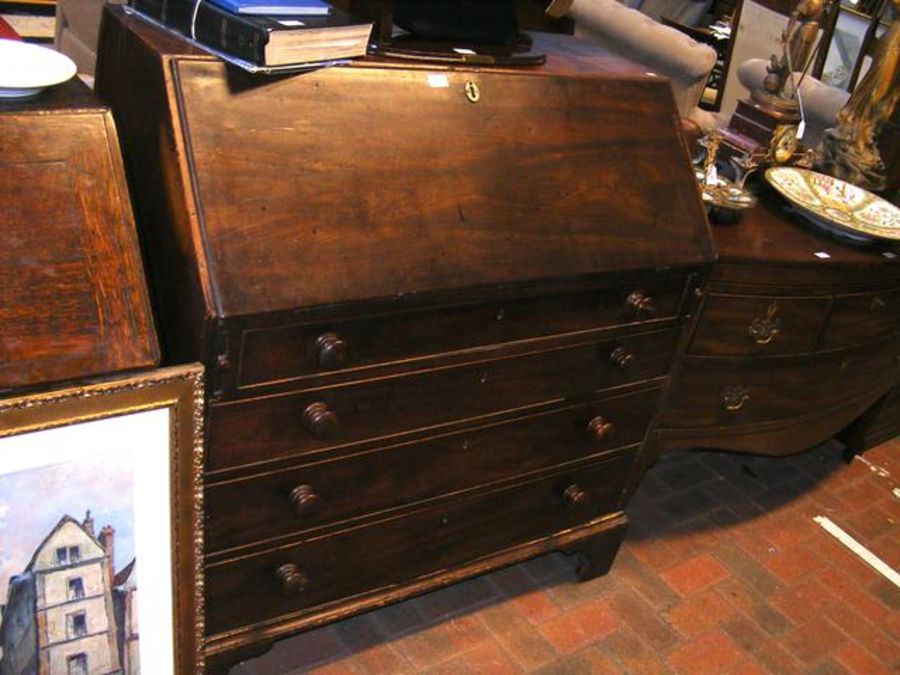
<point>795,254</point>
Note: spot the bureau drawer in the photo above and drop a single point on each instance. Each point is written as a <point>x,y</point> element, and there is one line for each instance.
<point>710,393</point>
<point>295,351</point>
<point>258,430</point>
<point>857,318</point>
<point>285,502</point>
<point>739,325</point>
<point>249,590</point>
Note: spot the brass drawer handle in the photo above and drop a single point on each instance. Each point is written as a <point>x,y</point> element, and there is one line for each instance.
<point>319,421</point>
<point>734,398</point>
<point>304,499</point>
<point>764,329</point>
<point>640,304</point>
<point>292,580</point>
<point>574,496</point>
<point>601,429</point>
<point>331,351</point>
<point>621,357</point>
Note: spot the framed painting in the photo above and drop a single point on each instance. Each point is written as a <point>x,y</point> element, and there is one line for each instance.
<point>101,527</point>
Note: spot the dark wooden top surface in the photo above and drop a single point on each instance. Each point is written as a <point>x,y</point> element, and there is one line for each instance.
<point>66,97</point>
<point>773,233</point>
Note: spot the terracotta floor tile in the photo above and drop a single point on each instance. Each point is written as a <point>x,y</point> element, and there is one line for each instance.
<point>793,563</point>
<point>842,587</point>
<point>803,601</point>
<point>856,659</point>
<point>814,641</point>
<point>515,634</point>
<point>537,606</point>
<point>701,613</point>
<point>828,666</point>
<point>884,646</point>
<point>629,571</point>
<point>372,653</point>
<point>755,607</point>
<point>748,668</point>
<point>585,662</point>
<point>632,654</point>
<point>776,659</point>
<point>712,653</point>
<point>695,574</point>
<point>441,641</point>
<point>643,619</point>
<point>487,657</point>
<point>747,569</point>
<point>579,627</point>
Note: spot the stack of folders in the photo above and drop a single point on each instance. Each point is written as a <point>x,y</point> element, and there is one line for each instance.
<point>265,32</point>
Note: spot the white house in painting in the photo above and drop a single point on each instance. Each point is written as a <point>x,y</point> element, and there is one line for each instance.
<point>60,612</point>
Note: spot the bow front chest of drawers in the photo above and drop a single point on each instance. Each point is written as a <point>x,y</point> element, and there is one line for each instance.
<point>796,341</point>
<point>437,307</point>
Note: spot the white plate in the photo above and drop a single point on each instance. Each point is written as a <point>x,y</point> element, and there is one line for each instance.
<point>26,69</point>
<point>837,205</point>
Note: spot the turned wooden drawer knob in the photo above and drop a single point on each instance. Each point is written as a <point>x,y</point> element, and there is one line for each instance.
<point>601,429</point>
<point>304,499</point>
<point>331,351</point>
<point>319,421</point>
<point>640,304</point>
<point>621,357</point>
<point>292,580</point>
<point>574,496</point>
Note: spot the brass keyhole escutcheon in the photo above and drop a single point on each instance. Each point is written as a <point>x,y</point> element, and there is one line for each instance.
<point>473,92</point>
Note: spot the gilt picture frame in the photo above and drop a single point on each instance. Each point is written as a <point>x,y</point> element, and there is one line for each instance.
<point>101,513</point>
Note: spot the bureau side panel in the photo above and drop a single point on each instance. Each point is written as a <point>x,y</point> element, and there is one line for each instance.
<point>133,75</point>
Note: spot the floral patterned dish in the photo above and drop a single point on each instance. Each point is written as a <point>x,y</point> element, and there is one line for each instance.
<point>836,204</point>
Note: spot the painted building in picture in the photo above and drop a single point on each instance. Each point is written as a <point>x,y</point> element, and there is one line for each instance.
<point>60,612</point>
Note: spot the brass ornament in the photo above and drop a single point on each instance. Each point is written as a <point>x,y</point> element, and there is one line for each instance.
<point>849,151</point>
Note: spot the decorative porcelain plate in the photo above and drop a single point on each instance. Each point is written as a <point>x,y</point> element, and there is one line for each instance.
<point>837,205</point>
<point>26,69</point>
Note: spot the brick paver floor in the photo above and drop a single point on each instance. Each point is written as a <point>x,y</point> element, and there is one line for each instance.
<point>723,571</point>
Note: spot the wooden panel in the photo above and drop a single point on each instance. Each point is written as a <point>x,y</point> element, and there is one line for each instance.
<point>858,318</point>
<point>265,429</point>
<point>73,301</point>
<point>356,182</point>
<point>733,325</point>
<point>362,559</point>
<point>777,388</point>
<point>332,490</point>
<point>286,352</point>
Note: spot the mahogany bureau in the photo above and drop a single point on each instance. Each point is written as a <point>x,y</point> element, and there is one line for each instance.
<point>438,307</point>
<point>797,340</point>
